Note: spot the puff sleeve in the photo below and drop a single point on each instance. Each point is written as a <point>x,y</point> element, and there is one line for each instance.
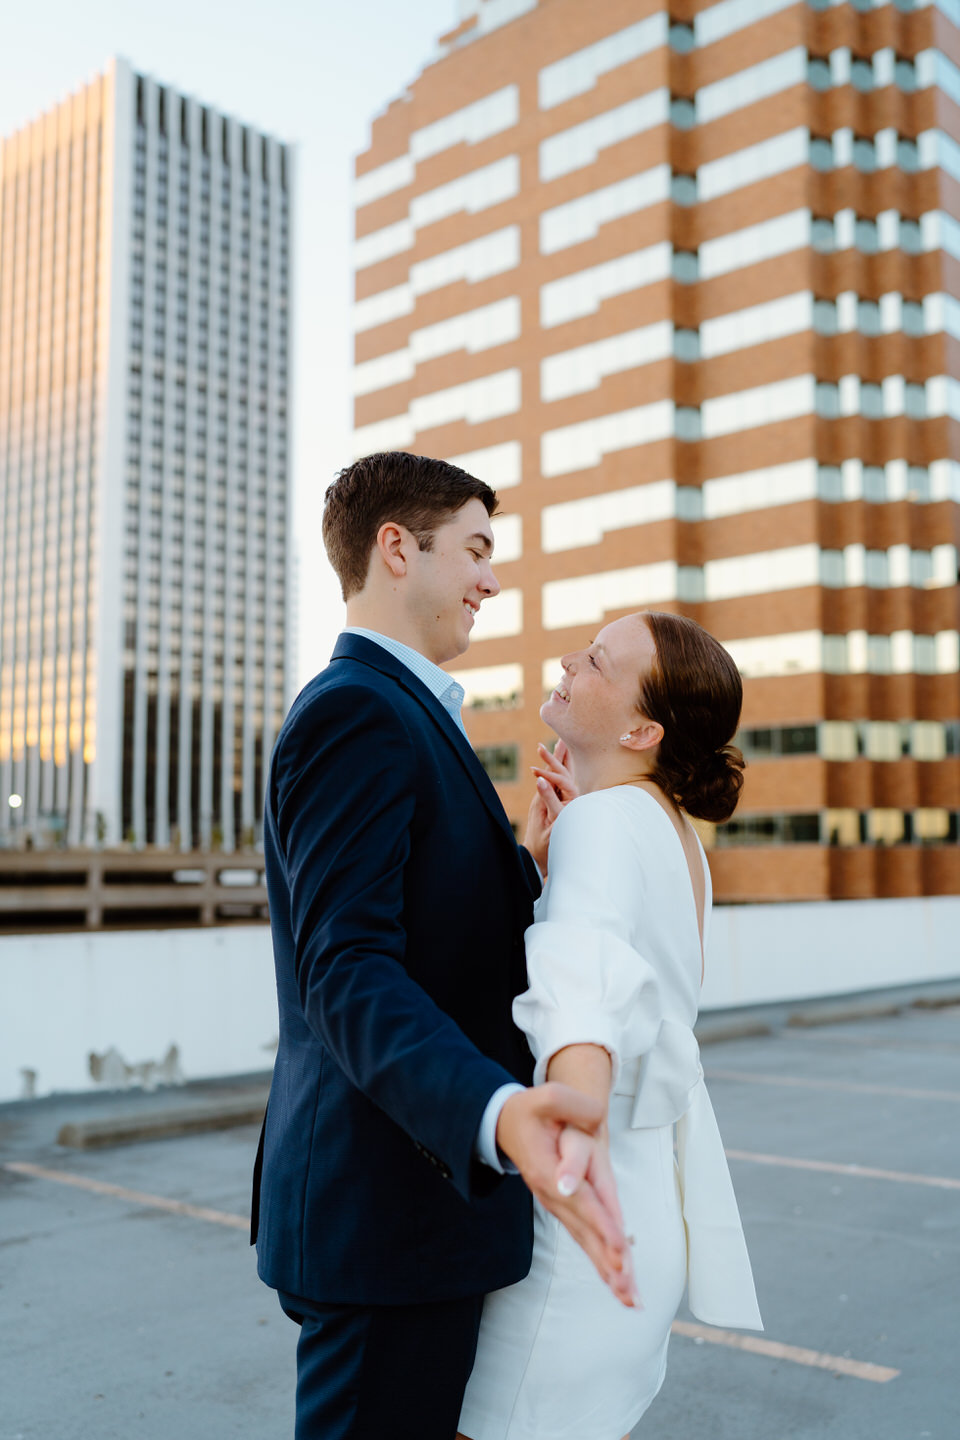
<point>587,981</point>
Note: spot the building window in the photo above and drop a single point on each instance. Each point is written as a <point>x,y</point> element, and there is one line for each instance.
<point>827,400</point>
<point>682,38</point>
<point>683,112</point>
<point>908,155</point>
<point>686,345</point>
<point>686,266</point>
<point>861,73</point>
<point>904,73</point>
<point>821,152</point>
<point>911,317</point>
<point>687,422</point>
<point>871,400</point>
<point>818,72</point>
<point>915,400</point>
<point>683,189</point>
<point>501,762</point>
<point>864,153</point>
<point>868,317</point>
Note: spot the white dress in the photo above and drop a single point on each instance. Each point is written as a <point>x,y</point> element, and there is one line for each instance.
<point>614,958</point>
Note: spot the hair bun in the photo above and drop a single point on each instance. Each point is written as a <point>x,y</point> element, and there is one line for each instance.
<point>710,787</point>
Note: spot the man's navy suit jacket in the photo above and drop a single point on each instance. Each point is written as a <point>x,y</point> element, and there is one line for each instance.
<point>398,902</point>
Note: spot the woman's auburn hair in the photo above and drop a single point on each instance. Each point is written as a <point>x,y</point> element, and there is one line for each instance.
<point>694,690</point>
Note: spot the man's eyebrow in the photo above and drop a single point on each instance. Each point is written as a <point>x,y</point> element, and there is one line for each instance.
<point>484,540</point>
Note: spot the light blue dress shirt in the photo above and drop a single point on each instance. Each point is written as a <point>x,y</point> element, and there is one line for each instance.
<point>450,694</point>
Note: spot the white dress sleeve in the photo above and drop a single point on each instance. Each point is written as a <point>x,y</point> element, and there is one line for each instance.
<point>588,984</point>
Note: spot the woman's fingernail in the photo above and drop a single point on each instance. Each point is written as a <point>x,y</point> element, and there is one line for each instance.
<point>567,1186</point>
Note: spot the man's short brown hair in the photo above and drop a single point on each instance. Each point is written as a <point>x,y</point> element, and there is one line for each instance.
<point>410,490</point>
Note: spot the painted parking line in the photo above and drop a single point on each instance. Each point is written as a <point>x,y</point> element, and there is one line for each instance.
<point>854,1087</point>
<point>859,1172</point>
<point>136,1197</point>
<point>776,1350</point>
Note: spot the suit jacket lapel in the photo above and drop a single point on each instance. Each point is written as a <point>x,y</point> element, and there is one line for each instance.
<point>357,647</point>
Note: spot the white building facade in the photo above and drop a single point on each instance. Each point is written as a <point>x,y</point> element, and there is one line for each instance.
<point>145,341</point>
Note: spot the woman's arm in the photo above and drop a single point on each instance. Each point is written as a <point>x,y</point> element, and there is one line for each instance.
<point>587,1068</point>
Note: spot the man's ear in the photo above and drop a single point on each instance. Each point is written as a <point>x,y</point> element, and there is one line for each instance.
<point>646,736</point>
<point>392,546</point>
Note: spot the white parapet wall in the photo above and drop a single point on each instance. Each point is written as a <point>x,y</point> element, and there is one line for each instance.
<point>139,1008</point>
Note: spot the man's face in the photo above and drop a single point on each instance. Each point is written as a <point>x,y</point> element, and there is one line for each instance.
<point>446,585</point>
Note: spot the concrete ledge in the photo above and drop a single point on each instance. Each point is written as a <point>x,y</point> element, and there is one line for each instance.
<point>713,1031</point>
<point>842,1014</point>
<point>162,1124</point>
<point>937,1002</point>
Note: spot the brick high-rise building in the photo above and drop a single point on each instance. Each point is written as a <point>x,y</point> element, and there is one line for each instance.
<point>144,471</point>
<point>681,284</point>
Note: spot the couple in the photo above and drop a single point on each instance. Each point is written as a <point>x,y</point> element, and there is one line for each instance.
<point>411,1119</point>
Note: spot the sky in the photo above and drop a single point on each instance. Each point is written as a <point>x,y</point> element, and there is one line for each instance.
<point>314,72</point>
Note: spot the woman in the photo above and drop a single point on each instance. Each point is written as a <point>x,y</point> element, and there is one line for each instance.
<point>615,965</point>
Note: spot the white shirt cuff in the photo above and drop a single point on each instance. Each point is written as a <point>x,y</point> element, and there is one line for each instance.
<point>486,1144</point>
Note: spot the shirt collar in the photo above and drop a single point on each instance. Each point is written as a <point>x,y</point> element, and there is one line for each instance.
<point>438,682</point>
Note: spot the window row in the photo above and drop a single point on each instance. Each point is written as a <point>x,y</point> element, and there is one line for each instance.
<point>173,115</point>
<point>483,118</point>
<point>800,480</point>
<point>854,740</point>
<point>810,652</point>
<point>477,260</point>
<point>584,444</point>
<point>475,401</point>
<point>584,291</point>
<point>472,331</point>
<point>479,189</point>
<point>580,145</point>
<point>929,826</point>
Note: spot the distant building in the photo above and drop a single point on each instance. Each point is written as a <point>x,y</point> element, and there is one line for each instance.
<point>145,299</point>
<point>682,287</point>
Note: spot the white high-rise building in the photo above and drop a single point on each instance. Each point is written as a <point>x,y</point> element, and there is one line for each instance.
<point>145,339</point>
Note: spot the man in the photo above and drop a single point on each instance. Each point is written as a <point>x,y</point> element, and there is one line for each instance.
<point>398,902</point>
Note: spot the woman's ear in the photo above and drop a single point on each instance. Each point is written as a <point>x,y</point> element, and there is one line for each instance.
<point>646,736</point>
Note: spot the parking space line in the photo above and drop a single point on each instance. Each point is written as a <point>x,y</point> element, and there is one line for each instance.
<point>854,1087</point>
<point>776,1350</point>
<point>137,1197</point>
<point>858,1172</point>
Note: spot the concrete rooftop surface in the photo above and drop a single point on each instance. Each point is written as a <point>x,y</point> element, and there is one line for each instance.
<point>130,1308</point>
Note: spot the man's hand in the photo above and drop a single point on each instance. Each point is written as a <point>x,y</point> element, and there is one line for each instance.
<point>555,789</point>
<point>565,1175</point>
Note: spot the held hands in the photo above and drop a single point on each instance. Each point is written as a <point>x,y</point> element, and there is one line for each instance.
<point>550,1132</point>
<point>555,789</point>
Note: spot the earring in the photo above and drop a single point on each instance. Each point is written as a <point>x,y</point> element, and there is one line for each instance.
<point>625,737</point>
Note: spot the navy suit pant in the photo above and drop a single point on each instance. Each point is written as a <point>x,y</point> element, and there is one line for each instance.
<point>382,1372</point>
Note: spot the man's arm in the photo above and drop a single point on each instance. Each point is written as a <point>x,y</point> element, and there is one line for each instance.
<point>344,785</point>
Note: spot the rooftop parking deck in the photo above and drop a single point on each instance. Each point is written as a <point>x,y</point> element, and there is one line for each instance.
<point>131,1307</point>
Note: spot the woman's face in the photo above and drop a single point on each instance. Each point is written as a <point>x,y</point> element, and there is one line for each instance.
<point>596,701</point>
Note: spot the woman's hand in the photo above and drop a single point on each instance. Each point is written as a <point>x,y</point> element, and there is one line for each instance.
<point>587,1157</point>
<point>556,787</point>
<point>557,773</point>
